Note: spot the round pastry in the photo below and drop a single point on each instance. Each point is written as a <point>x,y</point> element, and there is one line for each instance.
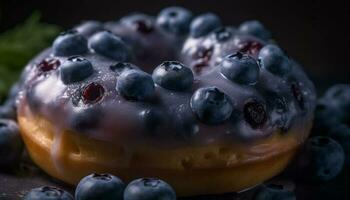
<point>209,109</point>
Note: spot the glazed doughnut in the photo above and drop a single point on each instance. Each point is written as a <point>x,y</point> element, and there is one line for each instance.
<point>215,116</point>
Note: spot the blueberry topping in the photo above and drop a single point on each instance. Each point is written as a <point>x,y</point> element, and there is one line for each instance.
<point>322,159</point>
<point>255,113</point>
<point>11,145</point>
<point>93,93</point>
<point>254,28</point>
<point>151,119</point>
<point>240,68</point>
<point>274,60</point>
<point>121,67</point>
<point>204,24</point>
<point>175,20</point>
<point>140,22</point>
<point>274,191</point>
<point>110,46</point>
<point>100,186</point>
<point>48,193</point>
<point>88,28</point>
<point>250,47</point>
<point>149,189</point>
<point>211,105</point>
<point>135,85</point>
<point>298,95</point>
<point>222,34</point>
<point>70,43</point>
<point>48,64</point>
<point>173,75</point>
<point>75,69</point>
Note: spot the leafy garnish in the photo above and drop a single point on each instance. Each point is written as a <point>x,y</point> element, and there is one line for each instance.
<point>19,45</point>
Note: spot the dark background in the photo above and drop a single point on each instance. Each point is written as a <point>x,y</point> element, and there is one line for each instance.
<point>315,33</point>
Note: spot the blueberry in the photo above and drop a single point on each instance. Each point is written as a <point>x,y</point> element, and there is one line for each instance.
<point>322,120</point>
<point>322,159</point>
<point>211,105</point>
<point>8,111</point>
<point>75,69</point>
<point>222,34</point>
<point>110,46</point>
<point>88,28</point>
<point>274,60</point>
<point>173,75</point>
<point>135,85</point>
<point>11,145</point>
<point>204,24</point>
<point>48,193</point>
<point>70,43</point>
<point>175,20</point>
<point>338,96</point>
<point>240,68</point>
<point>140,22</point>
<point>255,28</point>
<point>274,191</point>
<point>100,186</point>
<point>120,67</point>
<point>149,189</point>
<point>341,134</point>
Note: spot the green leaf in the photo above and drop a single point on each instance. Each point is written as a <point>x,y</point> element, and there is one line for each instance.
<point>19,45</point>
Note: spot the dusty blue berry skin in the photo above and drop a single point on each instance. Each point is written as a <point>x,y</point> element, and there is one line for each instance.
<point>149,189</point>
<point>338,96</point>
<point>48,193</point>
<point>75,69</point>
<point>70,43</point>
<point>100,186</point>
<point>11,145</point>
<point>173,75</point>
<point>274,191</point>
<point>255,28</point>
<point>240,68</point>
<point>110,46</point>
<point>88,28</point>
<point>211,105</point>
<point>322,159</point>
<point>204,24</point>
<point>175,20</point>
<point>273,59</point>
<point>135,85</point>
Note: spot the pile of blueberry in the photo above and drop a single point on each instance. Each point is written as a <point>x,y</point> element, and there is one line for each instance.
<point>108,187</point>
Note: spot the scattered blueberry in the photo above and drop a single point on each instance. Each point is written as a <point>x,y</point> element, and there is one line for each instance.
<point>173,75</point>
<point>93,93</point>
<point>70,43</point>
<point>341,134</point>
<point>48,193</point>
<point>109,45</point>
<point>338,96</point>
<point>11,145</point>
<point>140,22</point>
<point>75,69</point>
<point>175,20</point>
<point>274,60</point>
<point>149,189</point>
<point>211,105</point>
<point>204,24</point>
<point>274,191</point>
<point>322,120</point>
<point>48,64</point>
<point>100,186</point>
<point>240,68</point>
<point>255,28</point>
<point>255,113</point>
<point>88,28</point>
<point>8,110</point>
<point>135,85</point>
<point>222,34</point>
<point>322,159</point>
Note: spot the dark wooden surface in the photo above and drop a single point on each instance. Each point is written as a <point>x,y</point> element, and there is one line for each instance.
<point>14,184</point>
